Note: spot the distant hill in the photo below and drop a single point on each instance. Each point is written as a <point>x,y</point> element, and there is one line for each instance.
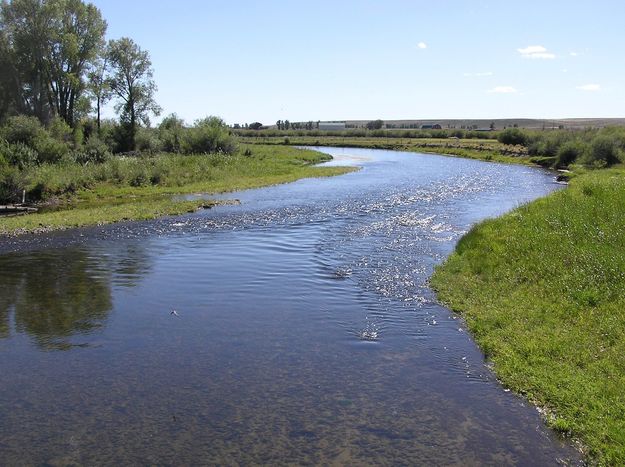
<point>529,123</point>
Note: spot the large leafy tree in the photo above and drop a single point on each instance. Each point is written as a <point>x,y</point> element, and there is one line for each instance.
<point>27,25</point>
<point>50,45</point>
<point>133,84</point>
<point>77,38</point>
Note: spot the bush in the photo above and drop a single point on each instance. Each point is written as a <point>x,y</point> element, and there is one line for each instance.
<point>512,136</point>
<point>94,151</point>
<point>209,135</point>
<point>604,151</point>
<point>18,154</point>
<point>11,184</point>
<point>147,141</point>
<point>171,132</point>
<point>49,149</point>
<point>22,129</point>
<point>570,152</point>
<point>60,131</point>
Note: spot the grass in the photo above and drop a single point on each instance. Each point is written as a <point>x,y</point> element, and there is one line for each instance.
<point>141,188</point>
<point>483,149</point>
<point>105,214</point>
<point>541,289</point>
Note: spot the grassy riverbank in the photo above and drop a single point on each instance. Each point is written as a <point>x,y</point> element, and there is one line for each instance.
<point>482,149</point>
<point>541,289</point>
<point>141,188</point>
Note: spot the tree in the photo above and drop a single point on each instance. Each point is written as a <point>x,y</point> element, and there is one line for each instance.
<point>375,125</point>
<point>49,46</point>
<point>133,84</point>
<point>77,37</point>
<point>9,87</point>
<point>27,25</point>
<point>99,86</point>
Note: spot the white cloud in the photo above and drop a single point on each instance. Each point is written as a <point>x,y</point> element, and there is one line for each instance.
<point>536,51</point>
<point>503,90</point>
<point>589,87</point>
<point>532,49</point>
<point>482,73</point>
<point>573,54</point>
<point>422,45</point>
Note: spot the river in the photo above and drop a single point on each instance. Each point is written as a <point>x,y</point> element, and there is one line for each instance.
<point>304,332</point>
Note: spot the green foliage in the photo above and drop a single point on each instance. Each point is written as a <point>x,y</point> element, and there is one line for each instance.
<point>18,154</point>
<point>143,178</point>
<point>209,135</point>
<point>95,151</point>
<point>512,136</point>
<point>604,151</point>
<point>22,129</point>
<point>171,133</point>
<point>48,47</point>
<point>542,291</point>
<point>148,141</point>
<point>570,152</point>
<point>11,183</point>
<point>133,85</point>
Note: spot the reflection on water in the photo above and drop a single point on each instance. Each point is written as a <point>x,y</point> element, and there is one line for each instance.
<point>57,296</point>
<point>306,334</point>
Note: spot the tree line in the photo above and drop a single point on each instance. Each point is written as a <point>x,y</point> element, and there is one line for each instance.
<point>56,64</point>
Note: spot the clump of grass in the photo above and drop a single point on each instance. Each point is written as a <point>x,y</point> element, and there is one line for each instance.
<point>541,289</point>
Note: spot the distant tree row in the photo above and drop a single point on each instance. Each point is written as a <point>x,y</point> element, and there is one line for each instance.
<point>55,63</point>
<point>286,125</point>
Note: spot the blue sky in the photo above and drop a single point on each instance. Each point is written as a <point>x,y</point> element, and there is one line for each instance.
<point>332,60</point>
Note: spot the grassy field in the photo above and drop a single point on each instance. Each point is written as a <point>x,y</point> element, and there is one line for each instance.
<point>141,188</point>
<point>541,289</point>
<point>487,149</point>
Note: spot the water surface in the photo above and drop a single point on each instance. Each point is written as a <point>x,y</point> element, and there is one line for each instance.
<point>305,331</point>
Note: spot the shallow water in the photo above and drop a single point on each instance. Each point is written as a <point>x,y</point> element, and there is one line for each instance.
<point>305,330</point>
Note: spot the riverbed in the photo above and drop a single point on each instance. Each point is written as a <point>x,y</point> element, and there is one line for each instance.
<point>304,330</point>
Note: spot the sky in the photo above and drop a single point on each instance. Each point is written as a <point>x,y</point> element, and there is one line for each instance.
<point>249,61</point>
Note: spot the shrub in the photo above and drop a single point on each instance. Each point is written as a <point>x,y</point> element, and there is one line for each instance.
<point>603,152</point>
<point>11,184</point>
<point>18,154</point>
<point>147,141</point>
<point>171,132</point>
<point>209,135</point>
<point>49,149</point>
<point>60,130</point>
<point>570,152</point>
<point>94,151</point>
<point>512,136</point>
<point>22,129</point>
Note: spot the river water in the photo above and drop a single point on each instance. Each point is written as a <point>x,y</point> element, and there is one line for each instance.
<point>304,333</point>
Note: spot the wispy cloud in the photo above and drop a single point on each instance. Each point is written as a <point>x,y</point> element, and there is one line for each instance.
<point>589,87</point>
<point>503,90</point>
<point>479,74</point>
<point>536,52</point>
<point>422,45</point>
<point>573,54</point>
